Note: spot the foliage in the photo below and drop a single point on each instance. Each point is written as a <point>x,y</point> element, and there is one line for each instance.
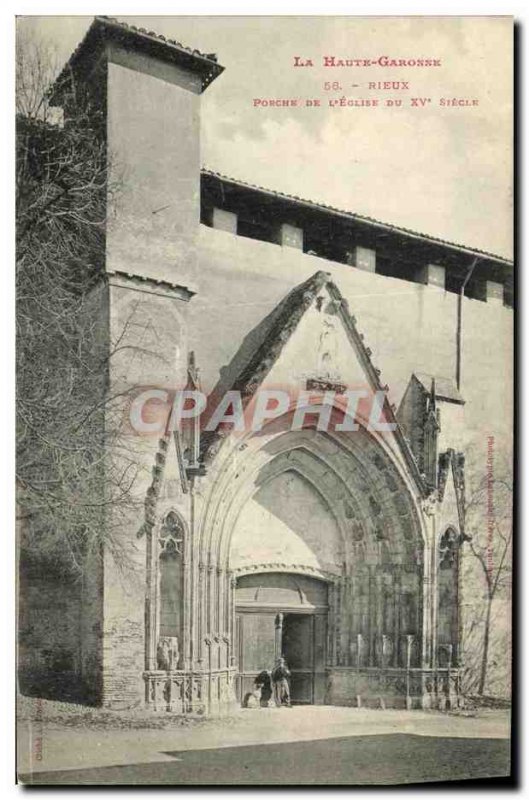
<point>74,462</point>
<point>488,570</point>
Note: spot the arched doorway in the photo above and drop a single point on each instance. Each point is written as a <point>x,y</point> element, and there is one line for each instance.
<point>282,614</point>
<point>337,509</point>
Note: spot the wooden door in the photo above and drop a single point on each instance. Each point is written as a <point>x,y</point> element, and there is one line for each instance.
<point>282,614</point>
<point>256,635</point>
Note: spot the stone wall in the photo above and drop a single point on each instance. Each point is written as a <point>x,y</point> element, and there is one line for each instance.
<point>153,141</point>
<point>393,688</point>
<point>49,612</point>
<point>409,327</point>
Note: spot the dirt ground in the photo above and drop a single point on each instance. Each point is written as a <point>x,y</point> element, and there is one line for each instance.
<point>59,743</point>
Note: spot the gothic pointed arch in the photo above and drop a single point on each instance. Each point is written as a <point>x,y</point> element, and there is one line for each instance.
<point>169,607</point>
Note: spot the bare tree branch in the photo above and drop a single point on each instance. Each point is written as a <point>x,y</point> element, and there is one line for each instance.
<point>76,467</point>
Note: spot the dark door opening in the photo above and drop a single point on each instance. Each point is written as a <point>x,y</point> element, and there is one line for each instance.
<point>298,651</point>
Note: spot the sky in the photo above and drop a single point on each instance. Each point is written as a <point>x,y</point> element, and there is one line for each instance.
<point>443,171</point>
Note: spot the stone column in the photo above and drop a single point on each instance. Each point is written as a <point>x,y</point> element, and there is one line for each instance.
<point>201,603</point>
<point>350,587</point>
<point>191,584</point>
<point>151,585</point>
<point>428,596</point>
<point>371,615</point>
<point>219,602</point>
<point>279,635</point>
<point>379,613</point>
<point>226,588</point>
<point>331,630</point>
<point>232,623</point>
<point>434,600</point>
<point>188,608</point>
<point>429,585</point>
<point>209,601</point>
<point>338,620</point>
<point>396,614</point>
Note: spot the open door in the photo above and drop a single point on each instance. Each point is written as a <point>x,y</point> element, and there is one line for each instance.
<point>282,614</point>
<point>298,652</point>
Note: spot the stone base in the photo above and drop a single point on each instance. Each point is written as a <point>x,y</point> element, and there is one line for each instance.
<point>372,687</point>
<point>190,692</point>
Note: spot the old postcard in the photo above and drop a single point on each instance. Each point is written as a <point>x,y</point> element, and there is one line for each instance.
<point>264,399</point>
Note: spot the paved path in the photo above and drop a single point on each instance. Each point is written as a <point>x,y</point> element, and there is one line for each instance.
<point>311,745</point>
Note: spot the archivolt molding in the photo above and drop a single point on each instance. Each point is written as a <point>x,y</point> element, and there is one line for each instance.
<point>295,459</point>
<point>296,569</point>
<point>347,459</point>
<point>233,444</point>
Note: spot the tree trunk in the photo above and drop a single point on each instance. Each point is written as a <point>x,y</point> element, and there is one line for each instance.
<point>485,654</point>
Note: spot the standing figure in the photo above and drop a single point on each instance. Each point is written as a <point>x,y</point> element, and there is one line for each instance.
<point>280,676</point>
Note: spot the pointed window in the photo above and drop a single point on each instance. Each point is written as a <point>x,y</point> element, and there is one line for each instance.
<point>171,541</point>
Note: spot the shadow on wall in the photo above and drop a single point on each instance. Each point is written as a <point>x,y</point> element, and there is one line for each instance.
<point>61,685</point>
<point>49,639</point>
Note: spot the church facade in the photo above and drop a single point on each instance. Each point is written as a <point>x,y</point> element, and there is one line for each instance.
<point>337,546</point>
